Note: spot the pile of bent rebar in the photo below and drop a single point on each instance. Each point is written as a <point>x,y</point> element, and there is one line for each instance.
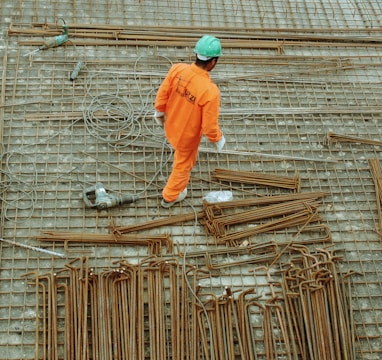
<point>158,310</point>
<point>266,214</point>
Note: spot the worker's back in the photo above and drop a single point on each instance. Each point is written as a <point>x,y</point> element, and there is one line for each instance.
<point>191,102</point>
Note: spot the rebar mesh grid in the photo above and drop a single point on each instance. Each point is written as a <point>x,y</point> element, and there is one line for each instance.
<point>303,69</point>
<point>320,16</point>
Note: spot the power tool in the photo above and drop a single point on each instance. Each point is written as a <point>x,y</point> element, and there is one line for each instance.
<point>97,197</point>
<point>53,42</point>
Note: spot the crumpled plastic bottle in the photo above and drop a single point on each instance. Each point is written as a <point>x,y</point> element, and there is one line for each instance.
<point>219,196</point>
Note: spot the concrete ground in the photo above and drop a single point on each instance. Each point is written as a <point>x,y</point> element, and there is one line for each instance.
<point>300,90</point>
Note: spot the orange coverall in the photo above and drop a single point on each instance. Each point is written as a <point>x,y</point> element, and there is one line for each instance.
<point>191,102</point>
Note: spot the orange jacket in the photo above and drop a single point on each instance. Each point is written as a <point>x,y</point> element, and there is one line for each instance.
<point>191,103</point>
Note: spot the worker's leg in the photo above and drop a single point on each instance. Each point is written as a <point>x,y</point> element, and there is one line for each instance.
<point>184,161</point>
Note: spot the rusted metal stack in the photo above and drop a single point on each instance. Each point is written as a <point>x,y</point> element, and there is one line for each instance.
<point>124,312</point>
<point>157,310</point>
<point>271,214</point>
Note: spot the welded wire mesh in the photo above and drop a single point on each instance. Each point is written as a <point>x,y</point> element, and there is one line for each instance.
<point>291,73</point>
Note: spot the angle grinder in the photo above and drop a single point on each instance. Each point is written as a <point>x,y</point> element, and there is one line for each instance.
<point>97,197</point>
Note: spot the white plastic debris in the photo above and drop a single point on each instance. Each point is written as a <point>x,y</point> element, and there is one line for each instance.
<point>219,196</point>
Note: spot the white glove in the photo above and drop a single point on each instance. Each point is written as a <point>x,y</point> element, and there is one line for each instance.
<point>220,144</point>
<point>159,117</point>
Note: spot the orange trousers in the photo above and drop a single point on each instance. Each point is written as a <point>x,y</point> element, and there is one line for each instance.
<point>184,161</point>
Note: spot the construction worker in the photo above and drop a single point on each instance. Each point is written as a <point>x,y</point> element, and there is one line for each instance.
<point>187,105</point>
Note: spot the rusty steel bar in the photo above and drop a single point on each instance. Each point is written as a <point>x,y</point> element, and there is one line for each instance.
<point>251,177</point>
<point>219,225</point>
<point>332,137</point>
<point>109,239</point>
<point>296,219</point>
<point>376,171</point>
<point>135,311</point>
<point>171,220</point>
<point>265,200</point>
<point>93,311</point>
<point>325,325</point>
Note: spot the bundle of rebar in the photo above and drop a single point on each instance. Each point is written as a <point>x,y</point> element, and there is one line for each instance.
<point>306,315</point>
<point>154,243</point>
<point>275,216</point>
<point>157,309</point>
<point>187,35</point>
<point>332,137</point>
<point>251,254</point>
<point>125,312</point>
<point>219,225</point>
<point>84,34</point>
<point>317,302</point>
<point>252,177</point>
<point>223,329</point>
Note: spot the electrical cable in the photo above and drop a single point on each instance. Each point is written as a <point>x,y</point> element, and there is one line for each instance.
<point>23,187</point>
<point>17,188</point>
<point>112,119</point>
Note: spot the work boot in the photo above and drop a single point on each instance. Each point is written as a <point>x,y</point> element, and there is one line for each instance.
<point>168,204</point>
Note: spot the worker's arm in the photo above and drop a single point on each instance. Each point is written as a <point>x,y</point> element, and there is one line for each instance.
<point>210,120</point>
<point>161,101</point>
<point>162,98</point>
<point>164,90</point>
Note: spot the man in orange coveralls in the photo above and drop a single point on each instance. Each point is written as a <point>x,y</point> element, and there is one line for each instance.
<point>187,105</point>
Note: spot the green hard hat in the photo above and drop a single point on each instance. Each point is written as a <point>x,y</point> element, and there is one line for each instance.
<point>208,47</point>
